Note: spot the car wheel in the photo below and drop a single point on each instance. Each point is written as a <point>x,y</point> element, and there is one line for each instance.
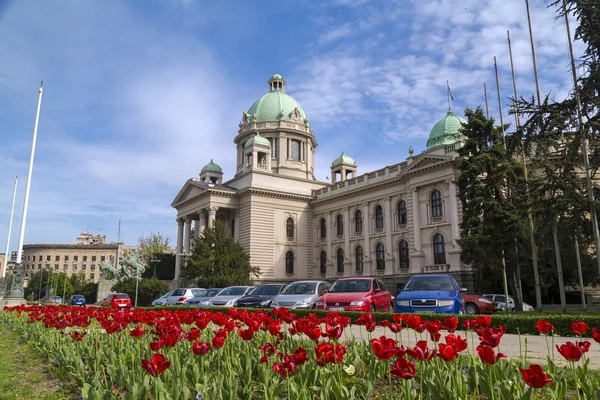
<point>471,308</point>
<point>372,308</point>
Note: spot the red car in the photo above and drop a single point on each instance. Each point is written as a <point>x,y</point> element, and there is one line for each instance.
<point>116,300</point>
<point>476,304</point>
<point>356,294</point>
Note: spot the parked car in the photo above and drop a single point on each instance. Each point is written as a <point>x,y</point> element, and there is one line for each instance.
<point>261,296</point>
<point>77,300</point>
<point>356,294</point>
<point>430,294</point>
<point>161,301</point>
<point>228,296</point>
<point>477,304</point>
<point>301,294</point>
<point>116,300</point>
<point>202,298</point>
<point>500,301</point>
<point>55,300</point>
<point>179,296</point>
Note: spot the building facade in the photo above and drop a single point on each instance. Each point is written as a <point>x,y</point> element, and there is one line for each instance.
<point>394,222</point>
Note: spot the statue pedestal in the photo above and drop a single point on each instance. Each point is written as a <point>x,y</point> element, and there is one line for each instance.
<point>104,288</point>
<point>12,302</point>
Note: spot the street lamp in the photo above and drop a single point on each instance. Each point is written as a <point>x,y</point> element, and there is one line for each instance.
<point>137,281</point>
<point>154,261</point>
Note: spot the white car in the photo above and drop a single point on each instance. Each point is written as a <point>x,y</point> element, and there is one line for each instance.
<point>179,296</point>
<point>500,301</point>
<point>161,301</point>
<point>228,296</point>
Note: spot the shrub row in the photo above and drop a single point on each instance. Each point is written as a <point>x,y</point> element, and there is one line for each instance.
<point>523,323</point>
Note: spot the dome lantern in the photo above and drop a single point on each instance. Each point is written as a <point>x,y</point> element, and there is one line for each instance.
<point>211,173</point>
<point>344,165</point>
<point>277,83</point>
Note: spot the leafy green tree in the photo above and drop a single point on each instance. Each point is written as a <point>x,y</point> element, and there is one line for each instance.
<point>153,244</point>
<point>148,289</point>
<point>218,260</point>
<point>492,198</point>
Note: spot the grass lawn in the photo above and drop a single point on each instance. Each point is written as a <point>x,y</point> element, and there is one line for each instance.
<point>26,375</point>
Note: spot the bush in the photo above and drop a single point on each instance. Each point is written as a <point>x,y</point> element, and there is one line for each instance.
<point>523,323</point>
<point>148,290</point>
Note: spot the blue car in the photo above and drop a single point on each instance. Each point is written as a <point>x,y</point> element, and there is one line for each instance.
<point>77,300</point>
<point>430,294</point>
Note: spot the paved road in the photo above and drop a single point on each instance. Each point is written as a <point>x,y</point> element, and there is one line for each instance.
<point>537,349</point>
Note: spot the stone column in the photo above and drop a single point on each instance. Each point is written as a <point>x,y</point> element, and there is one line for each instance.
<point>179,248</point>
<point>367,245</point>
<point>416,220</point>
<point>187,235</point>
<point>454,212</point>
<point>347,271</point>
<point>212,214</point>
<point>196,226</point>
<point>236,224</point>
<point>332,257</point>
<point>201,221</point>
<point>388,234</point>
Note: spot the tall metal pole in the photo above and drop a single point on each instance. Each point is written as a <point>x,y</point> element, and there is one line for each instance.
<point>580,273</point>
<point>502,130</point>
<point>537,85</point>
<point>41,280</point>
<point>561,282</point>
<point>12,213</point>
<point>487,109</point>
<point>137,280</point>
<point>64,288</point>
<point>583,133</point>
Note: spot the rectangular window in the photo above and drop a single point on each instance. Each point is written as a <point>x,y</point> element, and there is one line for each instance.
<point>40,258</point>
<point>75,258</point>
<point>66,267</point>
<point>83,267</point>
<point>57,258</point>
<point>47,266</point>
<point>102,258</point>
<point>92,276</point>
<point>92,267</point>
<point>39,266</point>
<point>56,267</point>
<point>295,150</point>
<point>66,258</point>
<point>47,258</point>
<point>74,267</point>
<point>93,258</point>
<point>84,258</point>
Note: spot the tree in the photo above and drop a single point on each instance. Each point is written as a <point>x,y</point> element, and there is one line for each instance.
<point>218,260</point>
<point>151,245</point>
<point>492,199</point>
<point>148,289</point>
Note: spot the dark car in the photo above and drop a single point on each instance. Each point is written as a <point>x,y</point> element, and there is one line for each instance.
<point>431,294</point>
<point>261,296</point>
<point>77,300</point>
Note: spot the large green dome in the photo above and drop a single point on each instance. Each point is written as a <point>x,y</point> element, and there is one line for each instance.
<point>445,131</point>
<point>271,105</point>
<point>344,159</point>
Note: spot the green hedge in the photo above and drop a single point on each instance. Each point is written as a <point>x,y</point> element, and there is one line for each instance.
<point>515,323</point>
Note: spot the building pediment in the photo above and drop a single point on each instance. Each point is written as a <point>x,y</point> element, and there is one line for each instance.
<point>194,188</point>
<point>427,161</point>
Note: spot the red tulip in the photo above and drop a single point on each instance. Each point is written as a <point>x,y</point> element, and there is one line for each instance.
<point>149,367</point>
<point>451,324</point>
<point>413,322</point>
<point>200,348</point>
<point>284,369</point>
<point>447,352</point>
<point>246,334</point>
<point>469,324</point>
<point>155,346</point>
<point>313,332</point>
<point>268,348</point>
<point>328,353</point>
<point>137,332</point>
<point>535,377</point>
<point>544,327</point>
<point>384,348</point>
<point>218,341</point>
<point>491,336</point>
<point>488,355</point>
<point>299,356</point>
<point>193,334</point>
<point>596,334</point>
<point>435,337</point>
<point>570,351</point>
<point>584,346</point>
<point>77,335</point>
<point>579,328</point>
<point>483,321</point>
<point>395,328</point>
<point>333,332</point>
<point>457,342</point>
<point>421,351</point>
<point>157,365</point>
<point>403,368</point>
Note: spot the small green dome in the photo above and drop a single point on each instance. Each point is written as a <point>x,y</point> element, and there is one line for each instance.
<point>277,76</point>
<point>212,167</point>
<point>444,132</point>
<point>259,140</point>
<point>343,160</point>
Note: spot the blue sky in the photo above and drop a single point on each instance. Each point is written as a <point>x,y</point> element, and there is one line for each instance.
<point>139,95</point>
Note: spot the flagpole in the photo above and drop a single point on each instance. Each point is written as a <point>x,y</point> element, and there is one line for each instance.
<point>583,134</point>
<point>487,110</point>
<point>12,213</point>
<point>537,84</point>
<point>17,283</point>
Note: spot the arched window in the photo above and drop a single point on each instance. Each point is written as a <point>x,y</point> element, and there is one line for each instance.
<point>323,228</point>
<point>339,223</point>
<point>379,217</point>
<point>340,260</point>
<point>323,263</point>
<point>439,249</point>
<point>402,215</point>
<point>403,254</point>
<point>358,221</point>
<point>358,253</point>
<point>289,227</point>
<point>289,262</point>
<point>436,204</point>
<point>380,256</point>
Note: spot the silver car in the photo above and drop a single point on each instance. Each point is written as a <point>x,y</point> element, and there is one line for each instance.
<point>302,294</point>
<point>500,301</point>
<point>179,296</point>
<point>161,301</point>
<point>202,298</point>
<point>228,296</point>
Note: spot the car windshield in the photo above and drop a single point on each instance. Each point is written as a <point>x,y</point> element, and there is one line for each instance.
<point>178,292</point>
<point>78,297</point>
<point>266,290</point>
<point>121,296</point>
<point>166,295</point>
<point>429,283</point>
<point>195,292</point>
<point>351,285</point>
<point>207,293</point>
<point>300,288</point>
<point>233,291</point>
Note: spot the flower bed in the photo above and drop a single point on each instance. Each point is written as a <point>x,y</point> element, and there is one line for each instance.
<point>186,354</point>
